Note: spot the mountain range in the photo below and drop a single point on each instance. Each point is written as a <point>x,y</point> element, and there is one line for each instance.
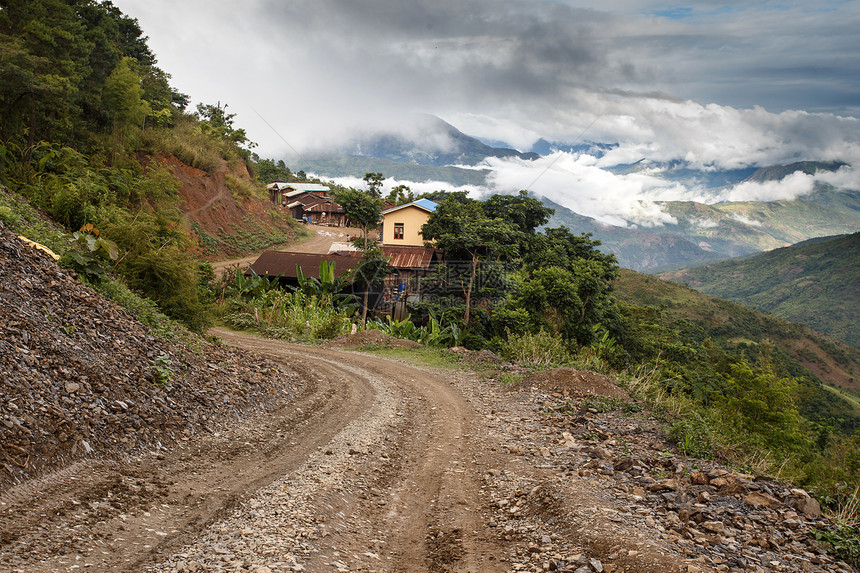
<point>707,233</point>
<point>426,148</point>
<point>423,148</point>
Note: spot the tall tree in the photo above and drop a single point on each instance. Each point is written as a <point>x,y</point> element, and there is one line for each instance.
<point>464,232</point>
<point>216,120</point>
<point>362,208</point>
<point>50,53</point>
<point>369,273</point>
<point>586,272</point>
<point>123,98</point>
<point>400,195</point>
<point>374,183</point>
<point>526,213</point>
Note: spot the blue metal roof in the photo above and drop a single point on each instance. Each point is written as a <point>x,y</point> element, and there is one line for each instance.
<point>425,204</point>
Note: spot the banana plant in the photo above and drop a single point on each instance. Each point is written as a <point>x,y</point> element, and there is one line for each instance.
<point>328,287</point>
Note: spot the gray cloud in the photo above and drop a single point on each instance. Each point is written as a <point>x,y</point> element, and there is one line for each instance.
<point>719,84</point>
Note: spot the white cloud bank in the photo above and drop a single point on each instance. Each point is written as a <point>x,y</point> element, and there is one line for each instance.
<point>580,183</point>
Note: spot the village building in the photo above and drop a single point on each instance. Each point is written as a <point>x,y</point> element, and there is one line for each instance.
<point>281,191</point>
<point>285,265</point>
<point>402,284</point>
<point>409,259</point>
<point>401,226</point>
<point>308,202</point>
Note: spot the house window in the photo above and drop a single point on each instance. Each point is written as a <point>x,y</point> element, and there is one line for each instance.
<point>398,230</point>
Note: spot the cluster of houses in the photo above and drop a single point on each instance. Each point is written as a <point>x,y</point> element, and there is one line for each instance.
<point>308,202</point>
<point>401,241</point>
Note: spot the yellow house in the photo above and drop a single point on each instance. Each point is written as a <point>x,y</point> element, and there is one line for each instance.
<point>402,225</point>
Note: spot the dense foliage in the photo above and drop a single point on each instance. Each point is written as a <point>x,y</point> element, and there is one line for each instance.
<point>521,280</point>
<point>80,97</point>
<point>744,384</point>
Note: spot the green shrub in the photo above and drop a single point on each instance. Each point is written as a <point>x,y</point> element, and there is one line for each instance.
<point>143,309</point>
<point>694,436</point>
<point>541,349</point>
<point>843,542</point>
<point>172,281</point>
<point>285,315</point>
<point>161,370</point>
<point>241,320</point>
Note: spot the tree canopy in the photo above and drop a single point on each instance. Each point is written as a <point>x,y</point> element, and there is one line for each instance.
<point>563,283</point>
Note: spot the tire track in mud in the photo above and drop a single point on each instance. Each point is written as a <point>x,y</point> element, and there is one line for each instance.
<point>426,511</point>
<point>127,514</point>
<point>376,466</point>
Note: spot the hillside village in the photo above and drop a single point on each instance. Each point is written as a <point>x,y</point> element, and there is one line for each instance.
<point>409,260</point>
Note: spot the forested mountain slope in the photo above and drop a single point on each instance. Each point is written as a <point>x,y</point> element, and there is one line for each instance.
<point>813,283</point>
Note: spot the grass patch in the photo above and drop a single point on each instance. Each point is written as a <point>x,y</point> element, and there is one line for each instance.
<point>510,378</point>
<point>188,143</point>
<point>850,397</point>
<point>423,356</point>
<point>241,188</point>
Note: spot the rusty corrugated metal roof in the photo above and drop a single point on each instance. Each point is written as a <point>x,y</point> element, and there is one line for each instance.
<point>411,257</point>
<point>275,263</point>
<point>324,207</point>
<point>406,257</point>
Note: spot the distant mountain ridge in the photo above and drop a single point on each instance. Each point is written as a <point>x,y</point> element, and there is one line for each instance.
<point>634,248</point>
<point>426,148</point>
<point>421,140</point>
<point>708,233</point>
<point>812,283</point>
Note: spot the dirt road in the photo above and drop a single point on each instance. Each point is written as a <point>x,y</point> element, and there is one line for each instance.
<point>319,241</point>
<point>377,466</point>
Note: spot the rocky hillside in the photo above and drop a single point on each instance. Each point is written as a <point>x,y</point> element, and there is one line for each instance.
<point>588,430</point>
<point>82,378</point>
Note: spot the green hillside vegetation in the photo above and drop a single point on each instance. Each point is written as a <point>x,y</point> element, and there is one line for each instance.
<point>85,115</point>
<point>814,283</point>
<point>697,347</point>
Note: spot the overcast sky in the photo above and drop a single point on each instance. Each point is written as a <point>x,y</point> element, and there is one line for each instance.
<point>719,84</point>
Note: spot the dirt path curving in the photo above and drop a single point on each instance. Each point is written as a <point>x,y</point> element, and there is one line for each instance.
<point>377,466</point>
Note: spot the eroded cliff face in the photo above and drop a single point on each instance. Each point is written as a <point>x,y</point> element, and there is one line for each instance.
<point>226,214</point>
